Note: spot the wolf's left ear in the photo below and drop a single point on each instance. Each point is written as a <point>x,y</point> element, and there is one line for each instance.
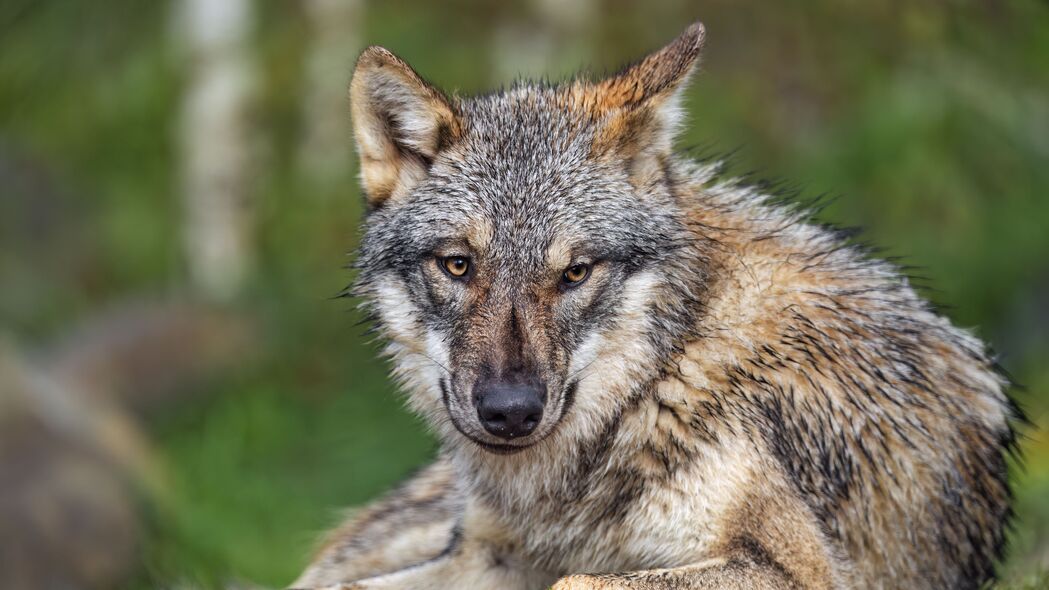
<point>641,106</point>
<point>400,123</point>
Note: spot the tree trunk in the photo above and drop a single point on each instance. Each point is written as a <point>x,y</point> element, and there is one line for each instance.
<point>215,144</point>
<point>554,39</point>
<point>324,147</point>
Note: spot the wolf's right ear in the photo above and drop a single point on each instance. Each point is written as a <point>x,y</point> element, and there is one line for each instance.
<point>400,123</point>
<point>641,105</point>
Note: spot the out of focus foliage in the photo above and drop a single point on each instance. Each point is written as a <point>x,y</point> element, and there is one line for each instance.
<point>926,123</point>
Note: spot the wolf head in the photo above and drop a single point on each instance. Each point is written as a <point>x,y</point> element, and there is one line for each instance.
<point>524,251</point>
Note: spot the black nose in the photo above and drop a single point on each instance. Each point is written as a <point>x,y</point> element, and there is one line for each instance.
<point>509,409</point>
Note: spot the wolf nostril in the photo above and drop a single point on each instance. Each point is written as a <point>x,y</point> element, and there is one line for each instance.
<point>510,410</point>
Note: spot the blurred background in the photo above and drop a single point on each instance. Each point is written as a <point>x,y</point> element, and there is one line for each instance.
<point>184,402</point>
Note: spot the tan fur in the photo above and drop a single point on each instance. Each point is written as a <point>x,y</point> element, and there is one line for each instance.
<point>639,106</point>
<point>763,278</point>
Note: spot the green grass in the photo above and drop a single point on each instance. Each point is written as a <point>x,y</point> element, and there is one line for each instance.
<point>259,475</point>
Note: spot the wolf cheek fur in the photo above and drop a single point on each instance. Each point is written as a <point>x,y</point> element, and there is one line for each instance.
<point>696,388</point>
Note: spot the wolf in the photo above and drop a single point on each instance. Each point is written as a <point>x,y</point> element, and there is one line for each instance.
<point>644,374</point>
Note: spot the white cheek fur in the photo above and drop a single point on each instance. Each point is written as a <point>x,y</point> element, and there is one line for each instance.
<point>608,361</point>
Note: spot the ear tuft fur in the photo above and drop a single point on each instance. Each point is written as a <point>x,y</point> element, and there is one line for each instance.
<point>400,123</point>
<point>640,106</point>
<point>657,76</point>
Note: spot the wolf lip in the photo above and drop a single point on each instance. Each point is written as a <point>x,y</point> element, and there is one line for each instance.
<point>501,449</point>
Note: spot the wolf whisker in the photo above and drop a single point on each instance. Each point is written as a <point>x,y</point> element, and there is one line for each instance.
<point>434,361</point>
<point>576,374</point>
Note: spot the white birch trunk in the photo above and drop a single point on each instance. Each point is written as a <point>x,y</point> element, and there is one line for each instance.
<point>215,144</point>
<point>335,40</point>
<point>555,48</point>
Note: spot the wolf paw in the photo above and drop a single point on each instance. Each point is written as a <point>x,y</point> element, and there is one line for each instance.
<point>585,582</point>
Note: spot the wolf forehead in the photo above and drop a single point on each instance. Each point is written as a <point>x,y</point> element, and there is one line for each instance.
<point>520,180</point>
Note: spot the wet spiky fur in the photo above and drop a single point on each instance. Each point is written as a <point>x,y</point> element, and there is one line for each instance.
<point>736,397</point>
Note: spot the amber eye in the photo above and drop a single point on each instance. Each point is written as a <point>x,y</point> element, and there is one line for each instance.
<point>456,266</point>
<point>575,274</point>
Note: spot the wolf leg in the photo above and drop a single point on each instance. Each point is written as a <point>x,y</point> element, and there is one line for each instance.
<point>479,557</point>
<point>410,525</point>
<point>469,567</point>
<point>768,542</point>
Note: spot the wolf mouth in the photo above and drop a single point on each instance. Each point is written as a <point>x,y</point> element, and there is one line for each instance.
<point>501,449</point>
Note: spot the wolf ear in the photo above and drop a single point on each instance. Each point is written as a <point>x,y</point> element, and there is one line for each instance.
<point>400,123</point>
<point>641,106</point>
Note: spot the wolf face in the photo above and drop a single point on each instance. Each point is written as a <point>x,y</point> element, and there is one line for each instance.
<point>522,243</point>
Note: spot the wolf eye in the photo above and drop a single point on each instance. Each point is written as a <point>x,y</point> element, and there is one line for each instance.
<point>455,266</point>
<point>574,275</point>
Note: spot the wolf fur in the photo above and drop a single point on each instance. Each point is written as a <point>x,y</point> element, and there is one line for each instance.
<point>735,397</point>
